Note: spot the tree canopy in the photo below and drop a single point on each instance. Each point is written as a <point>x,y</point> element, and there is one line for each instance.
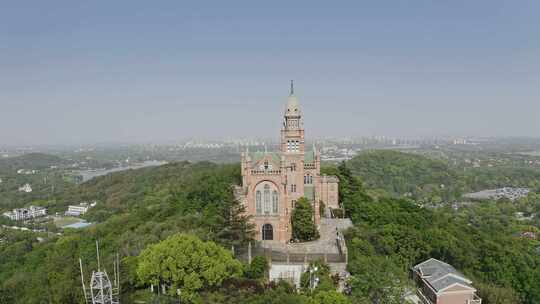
<point>185,263</point>
<point>303,225</point>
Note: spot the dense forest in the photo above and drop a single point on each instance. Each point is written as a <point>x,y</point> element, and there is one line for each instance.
<point>36,161</point>
<point>191,204</point>
<point>398,174</point>
<point>41,171</point>
<point>404,174</point>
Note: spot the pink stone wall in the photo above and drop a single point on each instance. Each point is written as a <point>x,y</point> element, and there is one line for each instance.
<point>282,176</point>
<point>455,298</point>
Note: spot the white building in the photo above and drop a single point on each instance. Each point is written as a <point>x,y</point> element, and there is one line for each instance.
<point>25,213</point>
<point>78,210</point>
<point>26,188</point>
<point>290,273</point>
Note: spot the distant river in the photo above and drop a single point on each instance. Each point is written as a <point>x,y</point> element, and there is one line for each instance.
<point>89,174</point>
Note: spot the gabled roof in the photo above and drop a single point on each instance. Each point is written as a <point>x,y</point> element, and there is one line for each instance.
<point>257,157</point>
<point>309,157</point>
<point>441,276</point>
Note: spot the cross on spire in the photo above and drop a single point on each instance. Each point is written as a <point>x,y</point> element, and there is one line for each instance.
<point>292,88</point>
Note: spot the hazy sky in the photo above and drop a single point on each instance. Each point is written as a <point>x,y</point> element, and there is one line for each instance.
<point>101,71</point>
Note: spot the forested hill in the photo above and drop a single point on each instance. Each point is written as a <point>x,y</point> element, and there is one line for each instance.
<point>175,184</point>
<point>399,174</point>
<point>31,161</point>
<point>135,208</point>
<point>138,208</point>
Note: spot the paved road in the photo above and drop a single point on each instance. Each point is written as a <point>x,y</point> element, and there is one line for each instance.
<point>325,244</point>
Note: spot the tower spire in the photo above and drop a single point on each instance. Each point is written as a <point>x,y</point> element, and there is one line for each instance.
<point>292,87</point>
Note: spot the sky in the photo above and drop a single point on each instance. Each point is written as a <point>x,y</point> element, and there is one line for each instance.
<point>74,72</point>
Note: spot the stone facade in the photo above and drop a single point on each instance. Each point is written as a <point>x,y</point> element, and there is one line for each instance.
<point>272,182</point>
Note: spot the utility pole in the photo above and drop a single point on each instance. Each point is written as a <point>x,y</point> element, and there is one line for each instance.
<point>313,279</point>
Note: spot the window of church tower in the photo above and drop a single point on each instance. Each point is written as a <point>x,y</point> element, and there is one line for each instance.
<point>293,167</point>
<point>266,199</point>
<point>265,165</point>
<point>275,202</point>
<point>293,188</point>
<point>293,145</point>
<point>258,203</point>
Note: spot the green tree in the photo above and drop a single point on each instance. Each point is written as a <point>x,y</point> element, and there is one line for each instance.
<point>236,229</point>
<point>185,263</point>
<point>491,294</point>
<point>258,268</point>
<point>320,271</point>
<point>303,225</point>
<point>330,297</point>
<point>351,192</point>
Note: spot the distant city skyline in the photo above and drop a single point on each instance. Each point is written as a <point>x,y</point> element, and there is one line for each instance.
<point>141,72</point>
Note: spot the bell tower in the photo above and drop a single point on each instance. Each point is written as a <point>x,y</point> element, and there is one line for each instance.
<point>292,131</point>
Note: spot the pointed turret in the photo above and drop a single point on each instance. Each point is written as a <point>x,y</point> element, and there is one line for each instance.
<point>293,108</point>
<point>292,133</point>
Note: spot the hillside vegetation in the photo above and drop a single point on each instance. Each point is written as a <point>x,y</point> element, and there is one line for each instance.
<point>44,181</point>
<point>36,161</point>
<point>391,235</point>
<point>139,208</point>
<point>399,174</point>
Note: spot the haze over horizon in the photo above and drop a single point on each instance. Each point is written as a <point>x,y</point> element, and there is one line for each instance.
<point>136,71</point>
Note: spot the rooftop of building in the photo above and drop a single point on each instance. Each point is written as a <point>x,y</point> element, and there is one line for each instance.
<point>440,275</point>
<point>309,156</point>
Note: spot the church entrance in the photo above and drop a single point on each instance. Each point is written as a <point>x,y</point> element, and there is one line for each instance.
<point>267,232</point>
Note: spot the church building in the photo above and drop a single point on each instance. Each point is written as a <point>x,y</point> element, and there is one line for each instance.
<point>272,182</point>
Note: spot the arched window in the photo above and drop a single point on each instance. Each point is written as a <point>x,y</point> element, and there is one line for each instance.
<point>266,199</point>
<point>267,232</point>
<point>258,202</point>
<point>275,202</point>
<point>265,165</point>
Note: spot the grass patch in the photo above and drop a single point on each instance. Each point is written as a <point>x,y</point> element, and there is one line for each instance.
<point>66,220</point>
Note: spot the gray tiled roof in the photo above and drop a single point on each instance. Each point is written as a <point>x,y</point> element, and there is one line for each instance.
<point>309,156</point>
<point>447,281</point>
<point>441,275</point>
<point>257,156</point>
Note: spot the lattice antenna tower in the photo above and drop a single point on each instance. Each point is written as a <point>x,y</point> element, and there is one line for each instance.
<point>101,289</point>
